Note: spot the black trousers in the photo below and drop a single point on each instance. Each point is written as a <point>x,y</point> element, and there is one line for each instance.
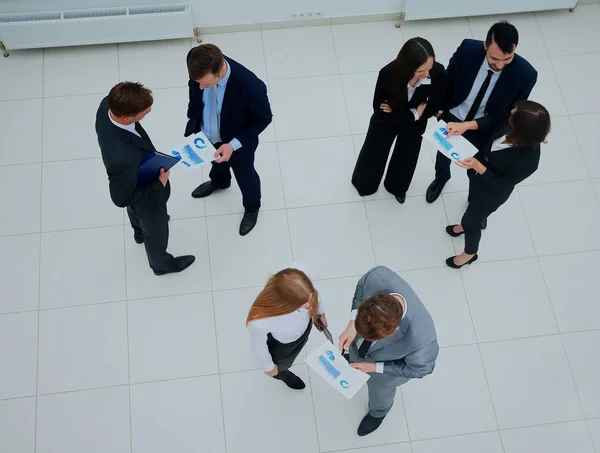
<point>149,219</point>
<point>242,164</point>
<point>373,156</point>
<point>442,163</point>
<point>284,354</point>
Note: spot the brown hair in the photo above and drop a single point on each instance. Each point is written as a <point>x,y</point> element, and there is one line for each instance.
<point>378,317</point>
<point>529,125</point>
<point>285,292</point>
<point>206,58</point>
<point>129,99</point>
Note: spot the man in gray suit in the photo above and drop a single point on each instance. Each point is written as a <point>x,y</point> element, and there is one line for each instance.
<point>391,336</point>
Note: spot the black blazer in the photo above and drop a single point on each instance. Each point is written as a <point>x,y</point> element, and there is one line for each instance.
<point>432,93</point>
<point>505,169</point>
<point>245,112</point>
<point>122,154</point>
<point>516,81</point>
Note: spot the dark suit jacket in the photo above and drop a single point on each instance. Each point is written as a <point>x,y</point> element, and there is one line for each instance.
<point>122,154</point>
<point>245,112</point>
<point>515,83</point>
<point>432,93</point>
<point>505,169</point>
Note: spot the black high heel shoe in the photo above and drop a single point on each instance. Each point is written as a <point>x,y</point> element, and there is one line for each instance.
<point>450,262</point>
<point>450,231</point>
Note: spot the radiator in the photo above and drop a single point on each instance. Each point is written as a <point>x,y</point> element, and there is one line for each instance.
<point>95,26</point>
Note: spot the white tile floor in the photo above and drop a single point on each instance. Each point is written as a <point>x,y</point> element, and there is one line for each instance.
<point>98,355</point>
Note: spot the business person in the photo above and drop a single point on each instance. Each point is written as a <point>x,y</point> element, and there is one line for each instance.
<point>511,156</point>
<point>280,320</point>
<point>484,80</point>
<point>230,105</point>
<point>408,92</point>
<point>391,336</point>
<point>124,145</point>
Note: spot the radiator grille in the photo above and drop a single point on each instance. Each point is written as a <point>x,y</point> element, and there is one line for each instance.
<point>157,9</point>
<point>35,17</point>
<point>87,14</point>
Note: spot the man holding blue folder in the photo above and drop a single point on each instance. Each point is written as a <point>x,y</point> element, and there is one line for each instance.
<point>125,147</point>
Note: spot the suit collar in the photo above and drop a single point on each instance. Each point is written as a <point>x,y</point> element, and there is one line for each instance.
<point>397,335</point>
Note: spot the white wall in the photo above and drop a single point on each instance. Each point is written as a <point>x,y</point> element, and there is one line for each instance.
<point>224,12</point>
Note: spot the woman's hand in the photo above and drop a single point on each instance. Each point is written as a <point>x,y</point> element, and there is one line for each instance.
<point>460,128</point>
<point>323,323</point>
<point>421,109</point>
<point>471,162</point>
<point>273,372</point>
<point>386,107</point>
<point>347,336</point>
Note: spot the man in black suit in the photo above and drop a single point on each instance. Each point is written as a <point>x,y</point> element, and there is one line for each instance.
<point>230,105</point>
<point>124,145</point>
<point>484,80</point>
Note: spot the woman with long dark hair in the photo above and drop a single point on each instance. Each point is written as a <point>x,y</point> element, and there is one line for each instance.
<point>409,91</point>
<point>280,321</point>
<point>511,156</point>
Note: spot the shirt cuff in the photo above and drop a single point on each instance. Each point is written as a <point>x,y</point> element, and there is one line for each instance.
<point>379,367</point>
<point>235,143</point>
<point>414,111</point>
<point>353,314</point>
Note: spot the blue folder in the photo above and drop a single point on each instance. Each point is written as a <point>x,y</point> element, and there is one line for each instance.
<point>150,167</point>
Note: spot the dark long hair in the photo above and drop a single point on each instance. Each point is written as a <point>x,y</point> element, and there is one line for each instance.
<point>414,53</point>
<point>529,125</point>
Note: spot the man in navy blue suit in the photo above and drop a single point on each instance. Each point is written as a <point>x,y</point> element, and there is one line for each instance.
<point>484,80</point>
<point>229,104</point>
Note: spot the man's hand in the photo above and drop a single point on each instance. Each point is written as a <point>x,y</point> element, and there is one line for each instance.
<point>347,336</point>
<point>421,109</point>
<point>225,151</point>
<point>365,367</point>
<point>273,372</point>
<point>386,107</point>
<point>323,322</point>
<point>461,128</point>
<point>471,162</point>
<point>163,176</point>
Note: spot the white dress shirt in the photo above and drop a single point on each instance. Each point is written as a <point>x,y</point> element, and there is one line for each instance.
<point>461,110</point>
<point>127,127</point>
<point>353,313</point>
<point>497,145</point>
<point>285,328</point>
<point>411,91</point>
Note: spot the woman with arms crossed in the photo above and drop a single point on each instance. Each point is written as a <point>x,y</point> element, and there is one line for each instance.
<point>511,156</point>
<point>409,91</point>
<point>280,321</point>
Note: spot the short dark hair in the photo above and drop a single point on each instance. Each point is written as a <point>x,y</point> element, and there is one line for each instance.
<point>529,124</point>
<point>129,99</point>
<point>505,35</point>
<point>206,58</point>
<point>378,317</point>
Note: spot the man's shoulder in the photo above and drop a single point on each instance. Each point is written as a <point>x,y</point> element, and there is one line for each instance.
<point>471,46</point>
<point>523,67</point>
<point>241,74</point>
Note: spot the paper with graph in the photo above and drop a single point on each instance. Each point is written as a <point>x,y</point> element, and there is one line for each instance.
<point>196,150</point>
<point>454,147</point>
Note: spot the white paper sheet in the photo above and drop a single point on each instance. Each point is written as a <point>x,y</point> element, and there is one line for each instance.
<point>328,363</point>
<point>195,150</point>
<point>454,147</point>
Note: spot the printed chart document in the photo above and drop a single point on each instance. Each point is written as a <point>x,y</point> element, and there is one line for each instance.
<point>328,363</point>
<point>454,147</point>
<point>196,150</point>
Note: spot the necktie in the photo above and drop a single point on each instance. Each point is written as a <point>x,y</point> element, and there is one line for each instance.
<point>479,97</point>
<point>215,136</point>
<point>364,348</point>
<point>140,130</point>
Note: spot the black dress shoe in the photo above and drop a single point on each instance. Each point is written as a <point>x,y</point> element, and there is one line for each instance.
<point>177,264</point>
<point>401,198</point>
<point>450,262</point>
<point>205,189</point>
<point>248,222</point>
<point>484,224</point>
<point>434,190</point>
<point>451,232</point>
<point>291,380</point>
<point>138,238</point>
<point>369,424</point>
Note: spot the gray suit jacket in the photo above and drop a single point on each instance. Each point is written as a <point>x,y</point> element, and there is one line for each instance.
<point>411,351</point>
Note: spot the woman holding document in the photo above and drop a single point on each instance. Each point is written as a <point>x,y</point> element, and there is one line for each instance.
<point>511,155</point>
<point>280,321</point>
<point>408,92</point>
